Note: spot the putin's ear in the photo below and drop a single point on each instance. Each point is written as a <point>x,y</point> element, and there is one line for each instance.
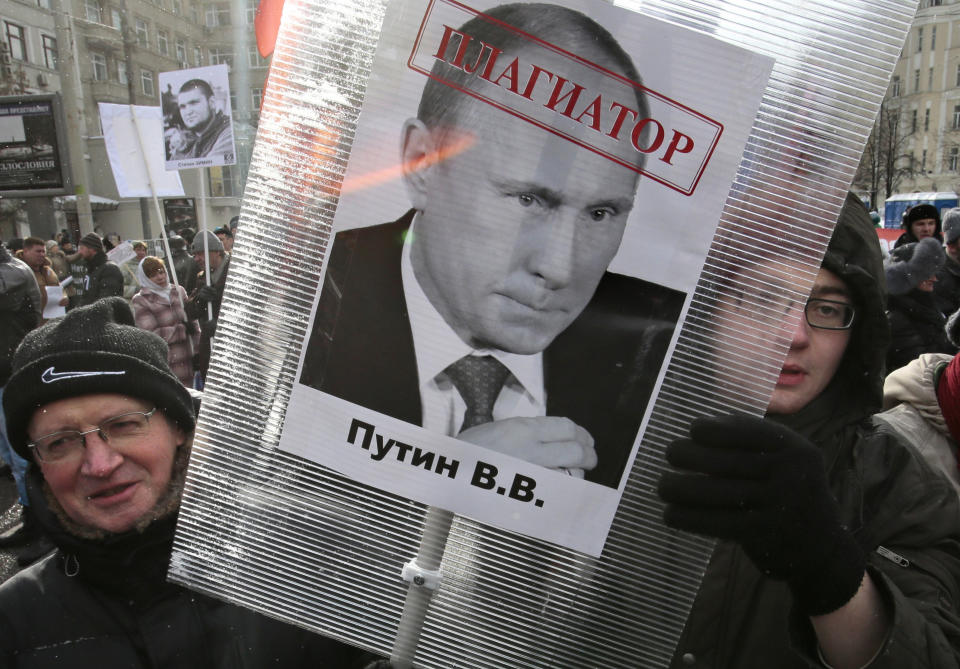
<point>416,155</point>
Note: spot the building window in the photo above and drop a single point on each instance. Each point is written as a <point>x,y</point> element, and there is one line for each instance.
<point>254,59</point>
<point>251,11</point>
<point>122,72</point>
<point>146,82</point>
<point>45,4</point>
<point>956,117</point>
<point>198,57</point>
<point>919,40</point>
<point>49,51</point>
<point>143,37</point>
<point>913,120</point>
<point>256,98</point>
<point>91,9</point>
<point>926,119</point>
<point>895,84</point>
<point>99,62</point>
<point>923,161</point>
<point>933,38</point>
<point>163,43</point>
<point>916,80</point>
<point>953,158</point>
<point>930,79</point>
<point>116,19</point>
<point>221,56</point>
<point>221,181</point>
<point>181,50</point>
<point>16,42</point>
<point>217,15</point>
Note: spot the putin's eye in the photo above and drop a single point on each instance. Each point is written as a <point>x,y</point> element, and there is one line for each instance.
<point>601,214</point>
<point>526,199</point>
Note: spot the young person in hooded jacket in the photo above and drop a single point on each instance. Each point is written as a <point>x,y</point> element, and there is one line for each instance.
<point>106,427</point>
<point>839,546</point>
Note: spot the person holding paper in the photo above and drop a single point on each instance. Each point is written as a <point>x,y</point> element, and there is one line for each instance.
<point>840,546</point>
<point>501,266</point>
<point>107,429</point>
<point>34,253</point>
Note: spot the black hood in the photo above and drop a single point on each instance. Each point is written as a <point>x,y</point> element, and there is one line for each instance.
<point>856,390</point>
<point>854,255</point>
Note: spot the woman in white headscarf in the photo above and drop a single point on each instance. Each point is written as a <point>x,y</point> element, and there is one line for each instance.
<point>158,307</point>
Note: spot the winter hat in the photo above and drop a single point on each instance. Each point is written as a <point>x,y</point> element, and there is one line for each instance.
<point>910,264</point>
<point>49,244</point>
<point>177,243</point>
<point>90,239</point>
<point>213,242</point>
<point>951,225</point>
<point>93,349</point>
<point>919,212</point>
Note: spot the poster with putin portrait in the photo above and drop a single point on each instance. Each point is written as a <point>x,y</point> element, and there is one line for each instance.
<point>496,314</point>
<point>197,118</point>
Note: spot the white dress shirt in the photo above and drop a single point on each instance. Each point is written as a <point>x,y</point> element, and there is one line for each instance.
<point>437,346</point>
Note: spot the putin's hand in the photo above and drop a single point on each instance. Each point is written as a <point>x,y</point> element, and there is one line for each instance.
<point>549,441</point>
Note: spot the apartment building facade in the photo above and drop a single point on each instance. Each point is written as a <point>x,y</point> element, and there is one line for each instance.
<point>117,48</point>
<point>923,101</point>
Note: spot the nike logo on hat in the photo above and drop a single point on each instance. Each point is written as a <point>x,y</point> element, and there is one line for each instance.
<point>49,375</point>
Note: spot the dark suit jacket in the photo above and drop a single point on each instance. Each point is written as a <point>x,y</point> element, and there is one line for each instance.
<point>599,372</point>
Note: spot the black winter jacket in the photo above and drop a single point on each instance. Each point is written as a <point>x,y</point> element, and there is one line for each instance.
<point>104,279</point>
<point>107,604</point>
<point>916,327</point>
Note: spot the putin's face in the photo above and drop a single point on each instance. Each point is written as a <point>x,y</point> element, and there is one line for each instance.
<point>515,231</point>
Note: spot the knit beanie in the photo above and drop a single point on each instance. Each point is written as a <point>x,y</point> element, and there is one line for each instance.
<point>91,240</point>
<point>213,243</point>
<point>951,225</point>
<point>93,349</point>
<point>910,264</point>
<point>919,212</point>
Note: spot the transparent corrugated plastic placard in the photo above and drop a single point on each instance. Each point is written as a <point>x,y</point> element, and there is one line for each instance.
<point>296,540</point>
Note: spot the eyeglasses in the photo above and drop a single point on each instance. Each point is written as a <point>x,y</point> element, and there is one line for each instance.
<point>118,431</point>
<point>829,314</point>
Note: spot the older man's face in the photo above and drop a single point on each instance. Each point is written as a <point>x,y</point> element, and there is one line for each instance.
<point>515,232</point>
<point>107,486</point>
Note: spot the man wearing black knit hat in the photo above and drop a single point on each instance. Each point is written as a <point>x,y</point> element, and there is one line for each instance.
<point>107,429</point>
<point>103,278</point>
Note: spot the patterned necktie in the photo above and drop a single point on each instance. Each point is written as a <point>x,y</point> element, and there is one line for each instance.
<point>479,381</point>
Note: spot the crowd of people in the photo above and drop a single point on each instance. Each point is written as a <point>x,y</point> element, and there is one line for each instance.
<point>838,522</point>
<point>83,275</point>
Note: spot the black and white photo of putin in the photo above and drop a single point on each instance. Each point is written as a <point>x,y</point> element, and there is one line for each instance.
<point>486,312</point>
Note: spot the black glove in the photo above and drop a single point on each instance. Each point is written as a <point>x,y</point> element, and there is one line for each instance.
<point>764,486</point>
<point>190,327</point>
<point>206,294</point>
